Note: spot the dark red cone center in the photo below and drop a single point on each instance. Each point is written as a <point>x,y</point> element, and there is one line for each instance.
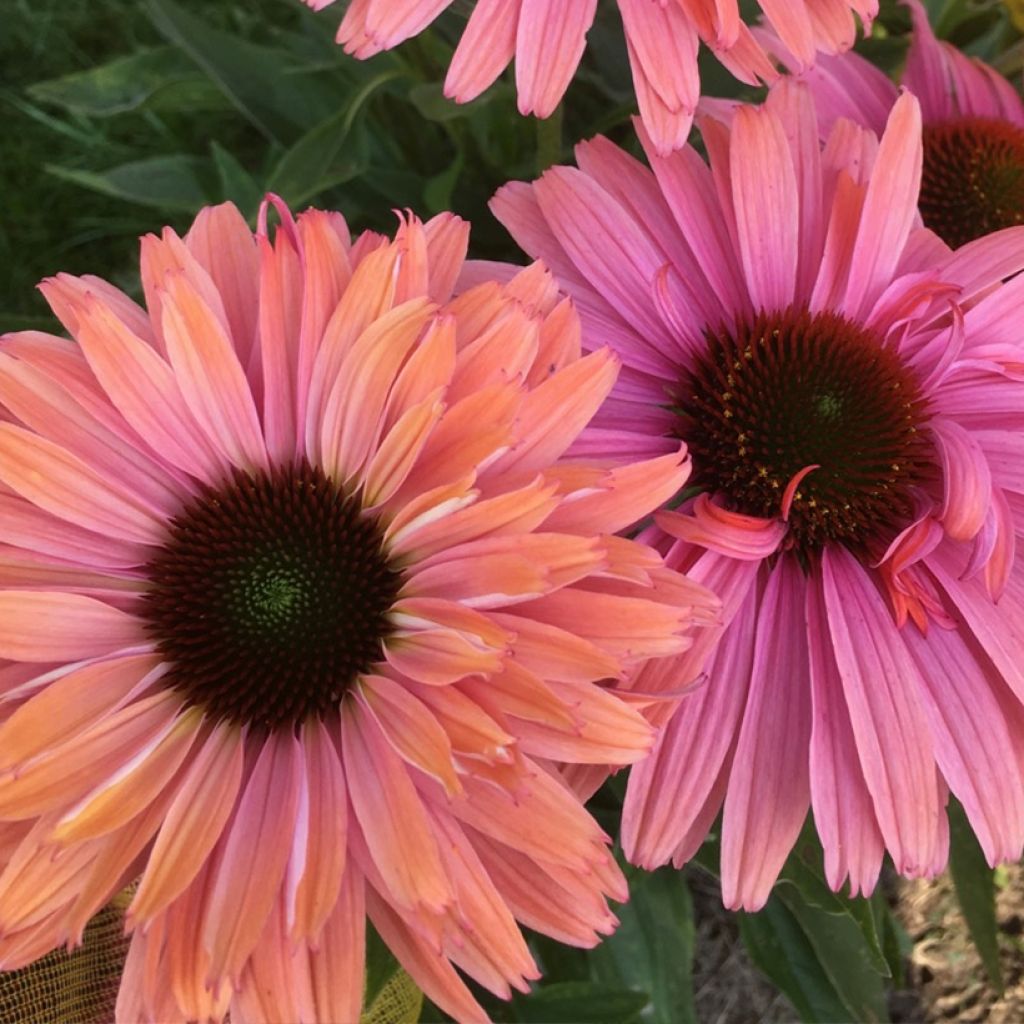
<point>794,389</point>
<point>973,178</point>
<point>269,597</point>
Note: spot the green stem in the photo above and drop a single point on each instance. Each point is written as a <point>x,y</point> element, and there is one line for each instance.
<point>549,140</point>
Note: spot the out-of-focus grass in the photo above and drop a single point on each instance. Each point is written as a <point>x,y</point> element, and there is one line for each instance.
<point>47,224</point>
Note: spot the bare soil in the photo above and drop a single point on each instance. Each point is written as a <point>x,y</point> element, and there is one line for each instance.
<point>945,970</point>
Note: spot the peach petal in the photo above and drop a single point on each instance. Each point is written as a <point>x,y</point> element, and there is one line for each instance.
<point>391,815</point>
<point>254,856</point>
<point>42,626</point>
<point>193,824</point>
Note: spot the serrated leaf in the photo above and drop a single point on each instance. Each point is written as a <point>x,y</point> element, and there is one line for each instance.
<point>173,183</point>
<point>580,1002</point>
<point>117,86</point>
<point>975,891</point>
<point>652,949</point>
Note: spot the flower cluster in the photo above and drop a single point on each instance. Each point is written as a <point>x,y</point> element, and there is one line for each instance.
<point>338,572</point>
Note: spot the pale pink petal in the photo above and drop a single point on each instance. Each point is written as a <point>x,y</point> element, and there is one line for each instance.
<point>485,49</point>
<point>889,725</point>
<point>843,812</point>
<point>549,43</point>
<point>769,786</point>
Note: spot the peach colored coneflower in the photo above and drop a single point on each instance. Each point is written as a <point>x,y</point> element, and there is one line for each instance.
<point>851,394</point>
<point>547,39</point>
<point>973,126</point>
<point>299,607</point>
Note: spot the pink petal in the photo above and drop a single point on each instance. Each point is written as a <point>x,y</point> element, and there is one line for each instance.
<point>223,244</point>
<point>765,194</point>
<point>56,480</point>
<point>769,787</point>
<point>485,49</point>
<point>889,724</point>
<point>391,815</point>
<point>211,378</point>
<point>431,970</point>
<point>890,207</point>
<point>411,729</point>
<point>667,792</point>
<point>549,43</point>
<point>142,387</point>
<point>254,857</point>
<point>45,627</point>
<point>337,965</point>
<point>843,812</point>
<point>973,747</point>
<point>967,481</point>
<point>318,859</point>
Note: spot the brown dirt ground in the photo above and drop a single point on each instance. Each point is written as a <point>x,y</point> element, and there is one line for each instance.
<point>945,980</point>
<point>945,971</point>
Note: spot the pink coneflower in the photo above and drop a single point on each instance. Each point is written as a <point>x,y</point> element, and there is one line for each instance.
<point>851,394</point>
<point>547,39</point>
<point>299,608</point>
<point>973,178</point>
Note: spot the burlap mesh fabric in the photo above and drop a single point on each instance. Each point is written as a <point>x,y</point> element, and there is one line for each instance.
<point>81,987</point>
<point>71,988</point>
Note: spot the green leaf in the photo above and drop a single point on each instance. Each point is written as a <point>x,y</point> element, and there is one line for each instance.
<point>780,948</point>
<point>580,1002</point>
<point>437,192</point>
<point>117,86</point>
<point>844,957</point>
<point>975,890</point>
<point>652,949</point>
<point>236,183</point>
<point>431,103</point>
<point>253,77</point>
<point>324,156</point>
<point>814,891</point>
<point>896,943</point>
<point>381,965</point>
<point>167,182</point>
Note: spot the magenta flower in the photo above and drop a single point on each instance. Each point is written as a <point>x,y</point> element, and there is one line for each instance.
<point>851,393</point>
<point>973,171</point>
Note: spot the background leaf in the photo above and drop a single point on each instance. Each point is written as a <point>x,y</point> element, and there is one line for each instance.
<point>975,891</point>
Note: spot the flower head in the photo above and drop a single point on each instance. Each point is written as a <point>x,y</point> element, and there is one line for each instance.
<point>973,127</point>
<point>547,39</point>
<point>299,600</point>
<point>850,392</point>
